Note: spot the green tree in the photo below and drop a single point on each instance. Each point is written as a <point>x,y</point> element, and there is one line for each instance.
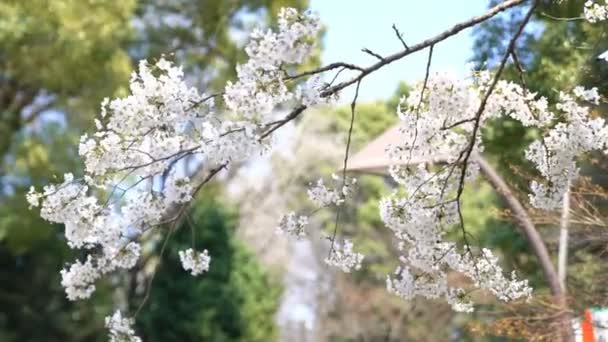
<point>234,301</point>
<point>59,57</point>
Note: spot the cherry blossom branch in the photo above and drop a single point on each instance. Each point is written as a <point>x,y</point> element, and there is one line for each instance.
<point>481,109</point>
<point>250,101</point>
<point>522,217</point>
<point>424,44</point>
<point>424,85</point>
<point>278,124</point>
<point>332,90</point>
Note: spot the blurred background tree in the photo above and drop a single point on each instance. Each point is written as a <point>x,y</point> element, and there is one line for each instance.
<point>57,60</point>
<point>234,301</point>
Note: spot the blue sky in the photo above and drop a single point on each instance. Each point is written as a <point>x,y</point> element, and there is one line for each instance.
<point>355,24</point>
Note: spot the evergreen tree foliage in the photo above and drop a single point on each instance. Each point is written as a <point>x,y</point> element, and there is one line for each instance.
<point>234,301</point>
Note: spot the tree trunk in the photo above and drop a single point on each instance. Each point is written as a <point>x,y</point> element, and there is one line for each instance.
<point>538,246</point>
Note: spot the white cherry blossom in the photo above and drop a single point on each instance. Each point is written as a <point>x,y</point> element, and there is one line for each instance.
<point>595,11</point>
<point>344,257</point>
<point>195,262</point>
<point>120,328</point>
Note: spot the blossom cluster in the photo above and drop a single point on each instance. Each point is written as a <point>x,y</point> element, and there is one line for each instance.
<point>427,278</point>
<point>321,196</point>
<point>344,257</point>
<point>195,262</point>
<point>594,11</point>
<point>120,328</point>
<point>261,84</point>
<point>442,128</point>
<point>293,225</point>
<point>341,256</point>
<point>555,154</point>
<point>139,140</point>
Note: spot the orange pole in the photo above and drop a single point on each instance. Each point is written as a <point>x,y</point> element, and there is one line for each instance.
<point>587,328</point>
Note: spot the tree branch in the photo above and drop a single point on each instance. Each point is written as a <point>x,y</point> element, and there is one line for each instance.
<point>400,37</point>
<point>332,90</point>
<point>524,221</point>
<point>422,45</point>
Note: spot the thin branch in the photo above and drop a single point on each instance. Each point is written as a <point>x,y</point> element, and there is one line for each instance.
<point>278,124</point>
<point>324,69</point>
<point>370,52</point>
<point>203,100</point>
<point>457,123</point>
<point>336,77</point>
<point>520,68</point>
<point>151,280</point>
<point>192,230</point>
<point>346,153</point>
<point>560,18</point>
<point>400,37</point>
<point>424,44</point>
<point>424,85</point>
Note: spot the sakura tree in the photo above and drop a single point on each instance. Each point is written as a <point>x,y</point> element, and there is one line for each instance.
<point>131,185</point>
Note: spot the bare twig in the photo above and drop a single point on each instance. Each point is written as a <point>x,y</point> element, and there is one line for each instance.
<point>424,44</point>
<point>371,53</point>
<point>560,18</point>
<point>400,37</point>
